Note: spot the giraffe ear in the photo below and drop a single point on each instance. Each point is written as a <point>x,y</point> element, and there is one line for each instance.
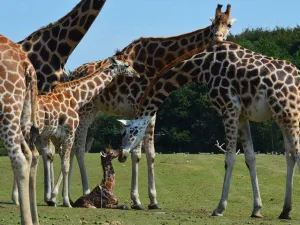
<point>212,19</point>
<point>124,122</point>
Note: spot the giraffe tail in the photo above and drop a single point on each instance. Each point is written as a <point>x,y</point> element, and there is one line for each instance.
<point>32,100</point>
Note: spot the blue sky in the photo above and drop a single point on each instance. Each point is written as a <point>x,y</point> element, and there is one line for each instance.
<point>122,21</point>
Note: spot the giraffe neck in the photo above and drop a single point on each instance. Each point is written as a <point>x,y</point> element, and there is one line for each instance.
<point>50,47</point>
<point>108,173</point>
<point>149,55</point>
<point>81,91</point>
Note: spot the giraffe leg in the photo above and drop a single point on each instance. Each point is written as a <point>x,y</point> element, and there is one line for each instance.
<point>250,161</point>
<point>150,155</point>
<point>79,150</point>
<point>21,160</point>
<point>54,193</point>
<point>15,193</point>
<point>135,158</point>
<point>32,186</point>
<point>47,158</point>
<point>290,130</point>
<point>231,131</point>
<point>65,165</point>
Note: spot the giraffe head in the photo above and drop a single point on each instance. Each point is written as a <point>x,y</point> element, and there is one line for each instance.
<point>109,154</point>
<point>133,131</point>
<point>222,23</point>
<point>121,67</point>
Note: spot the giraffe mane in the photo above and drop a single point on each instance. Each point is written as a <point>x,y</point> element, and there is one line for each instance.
<point>163,38</point>
<point>174,63</point>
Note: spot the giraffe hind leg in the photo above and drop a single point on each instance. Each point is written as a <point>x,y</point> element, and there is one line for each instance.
<point>290,131</point>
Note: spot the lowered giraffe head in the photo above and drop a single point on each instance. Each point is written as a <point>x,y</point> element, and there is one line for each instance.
<point>222,23</point>
<point>132,132</point>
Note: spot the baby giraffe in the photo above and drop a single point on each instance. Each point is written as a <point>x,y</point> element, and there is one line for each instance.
<point>102,196</point>
<point>58,111</point>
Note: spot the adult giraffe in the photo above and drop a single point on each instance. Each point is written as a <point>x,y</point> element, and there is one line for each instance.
<point>242,86</point>
<point>18,102</point>
<point>49,49</point>
<point>147,56</point>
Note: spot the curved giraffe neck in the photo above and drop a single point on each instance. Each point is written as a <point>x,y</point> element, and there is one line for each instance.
<point>154,53</point>
<point>108,173</point>
<point>84,89</point>
<point>222,60</point>
<point>50,47</point>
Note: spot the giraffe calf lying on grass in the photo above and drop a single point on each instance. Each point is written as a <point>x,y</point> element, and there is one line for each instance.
<point>102,196</point>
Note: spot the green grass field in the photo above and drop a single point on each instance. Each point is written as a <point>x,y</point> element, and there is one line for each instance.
<point>188,189</point>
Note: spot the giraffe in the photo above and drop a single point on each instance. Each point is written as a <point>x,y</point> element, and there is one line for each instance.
<point>242,86</point>
<point>48,49</point>
<point>147,56</point>
<point>57,115</point>
<point>102,196</point>
<point>18,103</point>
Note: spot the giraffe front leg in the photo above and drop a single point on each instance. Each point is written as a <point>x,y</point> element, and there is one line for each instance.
<point>231,130</point>
<point>79,150</point>
<point>135,158</point>
<point>246,139</point>
<point>150,155</point>
<point>46,155</point>
<point>66,150</point>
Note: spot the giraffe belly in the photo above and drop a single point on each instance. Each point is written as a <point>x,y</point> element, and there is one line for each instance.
<point>259,110</point>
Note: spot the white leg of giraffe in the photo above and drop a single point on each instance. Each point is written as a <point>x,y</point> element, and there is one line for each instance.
<point>54,192</point>
<point>32,186</point>
<point>246,139</point>
<point>15,193</point>
<point>21,161</point>
<point>44,148</point>
<point>135,158</point>
<point>290,130</point>
<point>150,155</point>
<point>231,131</point>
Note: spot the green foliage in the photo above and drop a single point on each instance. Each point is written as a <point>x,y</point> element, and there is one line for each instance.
<point>186,120</point>
<point>106,133</point>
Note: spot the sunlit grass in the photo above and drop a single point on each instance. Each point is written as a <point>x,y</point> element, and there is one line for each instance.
<point>188,189</point>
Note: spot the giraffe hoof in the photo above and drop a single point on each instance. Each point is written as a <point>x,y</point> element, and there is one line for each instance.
<point>154,206</point>
<point>216,213</point>
<point>257,215</point>
<point>51,203</point>
<point>137,207</point>
<point>284,216</point>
